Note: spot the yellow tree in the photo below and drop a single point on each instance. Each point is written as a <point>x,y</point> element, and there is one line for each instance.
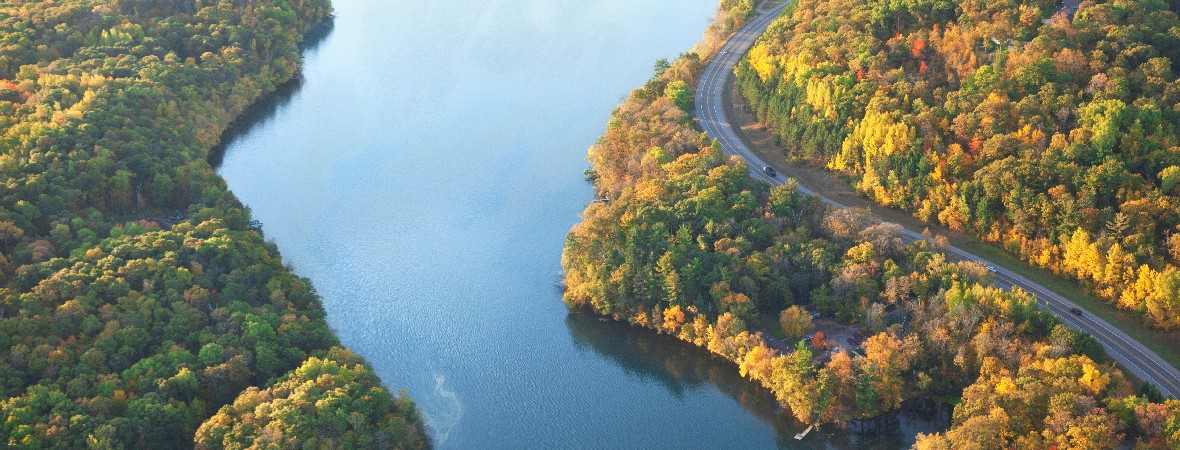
<point>795,321</point>
<point>887,357</point>
<point>673,319</point>
<point>1164,303</point>
<point>757,363</point>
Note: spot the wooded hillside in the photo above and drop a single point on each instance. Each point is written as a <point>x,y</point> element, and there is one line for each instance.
<point>1053,137</point>
<point>136,299</point>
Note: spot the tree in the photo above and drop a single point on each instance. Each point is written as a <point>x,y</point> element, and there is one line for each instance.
<point>1161,428</point>
<point>819,342</point>
<point>796,322</point>
<point>1077,422</point>
<point>680,93</point>
<point>1164,303</point>
<point>661,66</point>
<point>987,140</point>
<point>673,319</point>
<point>9,233</point>
<point>336,402</point>
<point>757,364</point>
<point>982,432</point>
<point>119,331</point>
<point>886,359</point>
<point>1170,179</point>
<point>953,120</point>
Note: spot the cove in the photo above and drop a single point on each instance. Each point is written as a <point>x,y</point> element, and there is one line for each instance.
<point>423,172</point>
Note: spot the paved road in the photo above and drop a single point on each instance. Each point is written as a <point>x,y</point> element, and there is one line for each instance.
<point>710,110</point>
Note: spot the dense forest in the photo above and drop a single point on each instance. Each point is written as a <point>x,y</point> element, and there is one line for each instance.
<point>685,242</point>
<point>138,303</point>
<point>1052,135</point>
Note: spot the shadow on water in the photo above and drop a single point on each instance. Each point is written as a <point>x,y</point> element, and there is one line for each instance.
<point>264,109</point>
<point>680,367</point>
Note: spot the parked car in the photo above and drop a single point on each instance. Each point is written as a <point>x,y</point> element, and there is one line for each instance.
<point>770,171</point>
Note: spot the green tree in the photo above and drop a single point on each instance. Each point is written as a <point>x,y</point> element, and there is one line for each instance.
<point>681,94</point>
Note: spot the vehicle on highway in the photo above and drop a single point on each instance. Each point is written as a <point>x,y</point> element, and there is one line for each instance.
<point>1075,311</point>
<point>769,171</point>
<point>991,269</point>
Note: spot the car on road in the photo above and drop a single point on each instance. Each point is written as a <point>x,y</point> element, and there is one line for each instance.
<point>991,269</point>
<point>1075,311</point>
<point>769,171</point>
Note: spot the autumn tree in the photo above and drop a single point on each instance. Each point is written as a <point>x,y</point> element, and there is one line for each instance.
<point>795,321</point>
<point>336,402</point>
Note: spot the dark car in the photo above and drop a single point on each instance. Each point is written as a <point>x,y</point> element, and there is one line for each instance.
<point>769,171</point>
<point>1075,311</point>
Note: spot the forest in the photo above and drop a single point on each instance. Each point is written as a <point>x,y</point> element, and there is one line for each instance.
<point>1052,135</point>
<point>684,242</point>
<point>140,306</point>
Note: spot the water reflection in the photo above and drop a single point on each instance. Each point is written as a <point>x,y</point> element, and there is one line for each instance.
<point>265,108</point>
<point>680,368</point>
<point>424,172</point>
<point>315,37</point>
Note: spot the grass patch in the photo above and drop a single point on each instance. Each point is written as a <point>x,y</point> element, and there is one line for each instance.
<point>771,326</point>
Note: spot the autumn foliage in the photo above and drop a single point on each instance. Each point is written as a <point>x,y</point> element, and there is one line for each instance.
<point>1003,119</point>
<point>331,403</point>
<point>688,244</point>
<point>136,299</point>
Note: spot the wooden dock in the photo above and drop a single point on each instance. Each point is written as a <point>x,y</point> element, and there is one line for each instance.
<point>800,436</point>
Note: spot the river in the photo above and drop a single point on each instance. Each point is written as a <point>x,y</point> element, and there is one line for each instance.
<point>423,174</point>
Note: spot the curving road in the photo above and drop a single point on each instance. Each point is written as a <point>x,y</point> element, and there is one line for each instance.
<point>710,111</point>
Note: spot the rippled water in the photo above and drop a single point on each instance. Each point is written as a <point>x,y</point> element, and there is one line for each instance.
<point>423,174</point>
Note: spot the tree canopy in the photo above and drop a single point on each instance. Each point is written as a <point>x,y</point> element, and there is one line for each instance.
<point>1052,136</point>
<point>331,403</point>
<point>687,243</point>
<point>136,299</point>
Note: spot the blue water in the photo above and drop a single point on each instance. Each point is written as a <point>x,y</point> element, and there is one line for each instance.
<point>423,175</point>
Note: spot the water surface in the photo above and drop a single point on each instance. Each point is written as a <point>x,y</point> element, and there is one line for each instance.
<point>423,174</point>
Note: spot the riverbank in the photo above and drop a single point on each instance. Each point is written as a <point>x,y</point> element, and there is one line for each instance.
<point>706,293</point>
<point>681,367</point>
<point>139,308</point>
<point>435,247</point>
<point>693,244</point>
